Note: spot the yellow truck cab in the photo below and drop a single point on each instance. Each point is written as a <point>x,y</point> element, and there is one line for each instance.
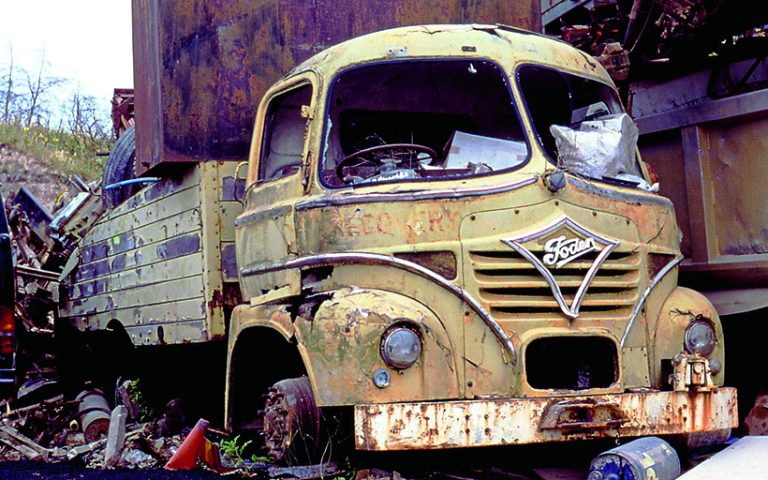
<point>448,233</point>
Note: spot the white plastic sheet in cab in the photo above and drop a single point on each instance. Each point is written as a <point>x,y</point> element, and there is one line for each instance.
<point>601,148</point>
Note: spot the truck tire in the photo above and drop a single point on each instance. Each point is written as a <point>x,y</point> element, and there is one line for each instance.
<point>291,423</point>
<point>120,166</point>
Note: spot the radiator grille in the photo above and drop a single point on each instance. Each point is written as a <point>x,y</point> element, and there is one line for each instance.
<point>511,285</point>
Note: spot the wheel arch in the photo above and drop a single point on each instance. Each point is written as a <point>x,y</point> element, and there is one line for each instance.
<point>259,355</point>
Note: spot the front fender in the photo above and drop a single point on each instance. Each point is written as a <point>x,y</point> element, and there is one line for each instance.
<point>274,316</point>
<point>681,307</point>
<point>342,345</point>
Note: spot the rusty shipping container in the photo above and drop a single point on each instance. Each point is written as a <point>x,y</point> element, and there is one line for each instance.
<point>201,66</point>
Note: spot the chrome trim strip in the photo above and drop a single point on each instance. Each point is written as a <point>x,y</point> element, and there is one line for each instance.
<point>352,199</point>
<point>517,244</point>
<point>330,259</point>
<point>662,273</point>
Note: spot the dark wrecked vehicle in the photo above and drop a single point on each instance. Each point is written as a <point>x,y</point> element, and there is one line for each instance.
<point>7,299</point>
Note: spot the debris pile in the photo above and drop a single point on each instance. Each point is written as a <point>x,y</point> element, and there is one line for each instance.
<point>84,429</point>
<point>42,245</point>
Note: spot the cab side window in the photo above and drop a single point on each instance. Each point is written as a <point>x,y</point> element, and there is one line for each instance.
<point>284,132</point>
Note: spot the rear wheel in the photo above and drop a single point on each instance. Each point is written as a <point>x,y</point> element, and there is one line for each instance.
<point>292,423</point>
<point>120,166</point>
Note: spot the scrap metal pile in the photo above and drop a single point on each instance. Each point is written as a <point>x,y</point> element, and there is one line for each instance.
<point>43,243</point>
<point>87,431</point>
<point>38,422</point>
<point>647,38</point>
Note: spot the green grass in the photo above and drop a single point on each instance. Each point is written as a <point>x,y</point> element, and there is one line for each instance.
<point>70,154</point>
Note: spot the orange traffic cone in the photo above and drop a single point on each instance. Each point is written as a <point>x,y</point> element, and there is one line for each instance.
<point>186,456</point>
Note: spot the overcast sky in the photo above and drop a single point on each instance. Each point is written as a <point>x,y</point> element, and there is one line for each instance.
<point>85,41</point>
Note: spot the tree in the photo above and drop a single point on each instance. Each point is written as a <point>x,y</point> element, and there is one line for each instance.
<point>38,88</point>
<point>85,119</point>
<point>8,95</point>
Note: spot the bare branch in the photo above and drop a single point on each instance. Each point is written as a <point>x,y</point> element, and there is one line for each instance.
<point>38,88</point>
<point>9,88</point>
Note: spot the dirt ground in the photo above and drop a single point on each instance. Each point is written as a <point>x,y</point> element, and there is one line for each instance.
<point>25,470</point>
<point>17,170</point>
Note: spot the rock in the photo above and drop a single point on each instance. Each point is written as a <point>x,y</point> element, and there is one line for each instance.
<point>138,459</point>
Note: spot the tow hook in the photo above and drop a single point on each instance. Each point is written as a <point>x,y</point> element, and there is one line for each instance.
<point>691,372</point>
<point>582,414</point>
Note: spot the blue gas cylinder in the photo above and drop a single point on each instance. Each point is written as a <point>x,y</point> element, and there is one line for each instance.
<point>648,458</point>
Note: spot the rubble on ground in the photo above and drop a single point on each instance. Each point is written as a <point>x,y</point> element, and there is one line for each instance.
<point>52,430</point>
<point>58,437</point>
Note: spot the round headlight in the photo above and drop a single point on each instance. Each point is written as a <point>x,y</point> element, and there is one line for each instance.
<point>400,347</point>
<point>700,338</point>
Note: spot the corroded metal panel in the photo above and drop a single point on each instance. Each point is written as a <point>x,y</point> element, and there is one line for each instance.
<point>707,139</point>
<point>714,173</point>
<point>663,150</point>
<point>201,66</point>
<point>738,171</point>
<point>428,425</point>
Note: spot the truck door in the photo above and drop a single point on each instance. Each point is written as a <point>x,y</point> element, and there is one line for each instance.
<point>265,231</point>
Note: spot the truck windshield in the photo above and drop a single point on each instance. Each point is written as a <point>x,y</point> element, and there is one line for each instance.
<point>421,120</point>
<point>581,125</point>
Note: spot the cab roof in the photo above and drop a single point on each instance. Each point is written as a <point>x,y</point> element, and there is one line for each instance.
<point>505,45</point>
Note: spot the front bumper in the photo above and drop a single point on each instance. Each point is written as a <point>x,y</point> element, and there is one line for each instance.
<point>477,423</point>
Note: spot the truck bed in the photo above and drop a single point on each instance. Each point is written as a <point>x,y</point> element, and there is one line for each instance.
<point>162,264</point>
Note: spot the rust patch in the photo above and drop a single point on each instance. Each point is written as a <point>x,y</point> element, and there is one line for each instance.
<point>537,420</point>
<point>216,302</point>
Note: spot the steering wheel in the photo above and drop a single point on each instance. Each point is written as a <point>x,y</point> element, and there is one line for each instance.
<point>393,147</point>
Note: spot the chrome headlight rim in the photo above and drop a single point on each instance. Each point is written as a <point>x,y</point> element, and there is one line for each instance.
<point>394,357</point>
<point>694,330</point>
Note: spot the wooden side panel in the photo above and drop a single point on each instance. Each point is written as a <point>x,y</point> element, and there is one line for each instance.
<point>219,207</point>
<point>143,265</point>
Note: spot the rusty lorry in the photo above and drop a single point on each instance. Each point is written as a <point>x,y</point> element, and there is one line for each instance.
<point>422,243</point>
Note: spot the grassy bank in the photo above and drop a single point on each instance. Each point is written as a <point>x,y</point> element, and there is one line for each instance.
<point>67,153</point>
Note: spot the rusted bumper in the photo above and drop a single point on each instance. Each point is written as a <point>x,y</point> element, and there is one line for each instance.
<point>476,423</point>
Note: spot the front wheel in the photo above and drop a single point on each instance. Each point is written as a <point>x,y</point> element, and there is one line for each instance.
<point>292,422</point>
